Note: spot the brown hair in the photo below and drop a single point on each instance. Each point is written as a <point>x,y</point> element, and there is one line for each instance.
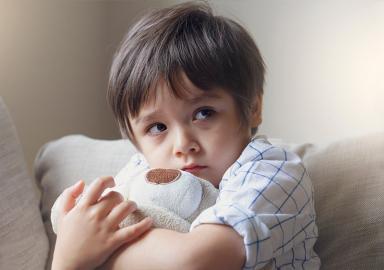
<point>212,51</point>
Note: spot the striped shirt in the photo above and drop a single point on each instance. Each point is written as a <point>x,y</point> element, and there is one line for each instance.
<point>267,197</point>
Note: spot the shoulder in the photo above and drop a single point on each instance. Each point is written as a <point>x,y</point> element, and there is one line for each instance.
<point>261,160</point>
<point>259,149</point>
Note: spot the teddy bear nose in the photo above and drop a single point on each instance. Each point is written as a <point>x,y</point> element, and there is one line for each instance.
<point>162,176</point>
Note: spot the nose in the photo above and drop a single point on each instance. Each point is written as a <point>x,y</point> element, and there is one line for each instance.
<point>185,143</point>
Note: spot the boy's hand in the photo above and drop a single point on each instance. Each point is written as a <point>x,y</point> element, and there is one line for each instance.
<point>88,232</point>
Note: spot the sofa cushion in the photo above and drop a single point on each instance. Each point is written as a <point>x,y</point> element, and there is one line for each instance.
<point>23,241</point>
<point>348,178</point>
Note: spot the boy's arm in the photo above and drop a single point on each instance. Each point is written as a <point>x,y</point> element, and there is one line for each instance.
<point>206,247</point>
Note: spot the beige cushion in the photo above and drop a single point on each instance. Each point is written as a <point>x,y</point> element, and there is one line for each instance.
<point>23,241</point>
<point>348,178</point>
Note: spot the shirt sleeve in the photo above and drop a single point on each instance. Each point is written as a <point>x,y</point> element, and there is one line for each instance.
<point>267,197</point>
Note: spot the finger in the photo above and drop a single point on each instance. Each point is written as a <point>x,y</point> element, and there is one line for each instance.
<point>120,212</point>
<point>132,232</point>
<point>108,202</point>
<point>96,189</point>
<point>70,195</point>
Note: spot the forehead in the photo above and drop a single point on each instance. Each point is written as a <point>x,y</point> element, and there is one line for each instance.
<point>181,89</point>
<point>186,93</point>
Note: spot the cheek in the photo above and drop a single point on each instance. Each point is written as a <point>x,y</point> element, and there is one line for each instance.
<point>220,146</point>
<point>226,135</point>
<point>227,144</point>
<point>156,156</point>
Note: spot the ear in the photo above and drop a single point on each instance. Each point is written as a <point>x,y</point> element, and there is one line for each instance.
<point>256,113</point>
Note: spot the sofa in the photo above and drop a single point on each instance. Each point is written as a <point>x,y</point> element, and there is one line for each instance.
<point>348,177</point>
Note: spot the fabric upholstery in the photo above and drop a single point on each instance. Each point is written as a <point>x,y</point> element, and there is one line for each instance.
<point>348,178</point>
<point>23,241</point>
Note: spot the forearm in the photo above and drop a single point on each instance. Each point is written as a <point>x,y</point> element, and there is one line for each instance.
<point>215,247</point>
<point>157,249</point>
<point>206,247</point>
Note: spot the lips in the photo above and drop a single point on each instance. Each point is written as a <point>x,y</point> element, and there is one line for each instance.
<point>193,168</point>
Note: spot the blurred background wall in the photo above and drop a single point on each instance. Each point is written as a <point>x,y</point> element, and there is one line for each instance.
<point>325,65</point>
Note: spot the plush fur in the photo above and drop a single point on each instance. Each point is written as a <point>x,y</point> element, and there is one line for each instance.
<point>172,198</point>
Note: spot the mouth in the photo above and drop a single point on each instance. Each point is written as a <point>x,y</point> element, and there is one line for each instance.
<point>193,168</point>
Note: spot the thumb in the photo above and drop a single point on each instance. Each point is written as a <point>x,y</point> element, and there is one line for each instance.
<point>70,195</point>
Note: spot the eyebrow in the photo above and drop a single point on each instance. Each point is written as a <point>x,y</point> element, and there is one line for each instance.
<point>146,118</point>
<point>194,100</point>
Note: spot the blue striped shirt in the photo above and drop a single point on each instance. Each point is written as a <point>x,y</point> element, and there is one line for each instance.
<point>267,197</point>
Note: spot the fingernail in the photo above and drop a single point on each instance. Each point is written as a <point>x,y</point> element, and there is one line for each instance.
<point>132,205</point>
<point>148,220</point>
<point>78,183</point>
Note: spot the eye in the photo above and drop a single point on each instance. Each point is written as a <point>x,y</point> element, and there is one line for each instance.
<point>156,128</point>
<point>204,114</point>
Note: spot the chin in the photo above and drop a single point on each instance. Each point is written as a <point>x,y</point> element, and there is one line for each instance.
<point>215,183</point>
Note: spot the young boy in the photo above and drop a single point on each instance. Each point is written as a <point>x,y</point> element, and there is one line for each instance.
<point>186,88</point>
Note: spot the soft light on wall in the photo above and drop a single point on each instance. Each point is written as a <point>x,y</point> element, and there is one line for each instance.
<point>325,63</point>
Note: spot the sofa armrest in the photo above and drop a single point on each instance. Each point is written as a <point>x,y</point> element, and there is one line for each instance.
<point>23,241</point>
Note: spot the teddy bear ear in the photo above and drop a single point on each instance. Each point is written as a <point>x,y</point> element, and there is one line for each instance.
<point>162,176</point>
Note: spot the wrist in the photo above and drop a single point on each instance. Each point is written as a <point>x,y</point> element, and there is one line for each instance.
<point>60,263</point>
<point>63,266</point>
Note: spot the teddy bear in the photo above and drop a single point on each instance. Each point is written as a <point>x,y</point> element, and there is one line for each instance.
<point>172,198</point>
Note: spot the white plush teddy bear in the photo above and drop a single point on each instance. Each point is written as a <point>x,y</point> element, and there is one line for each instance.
<point>173,198</point>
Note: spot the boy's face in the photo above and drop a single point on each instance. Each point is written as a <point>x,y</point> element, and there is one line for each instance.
<point>200,134</point>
